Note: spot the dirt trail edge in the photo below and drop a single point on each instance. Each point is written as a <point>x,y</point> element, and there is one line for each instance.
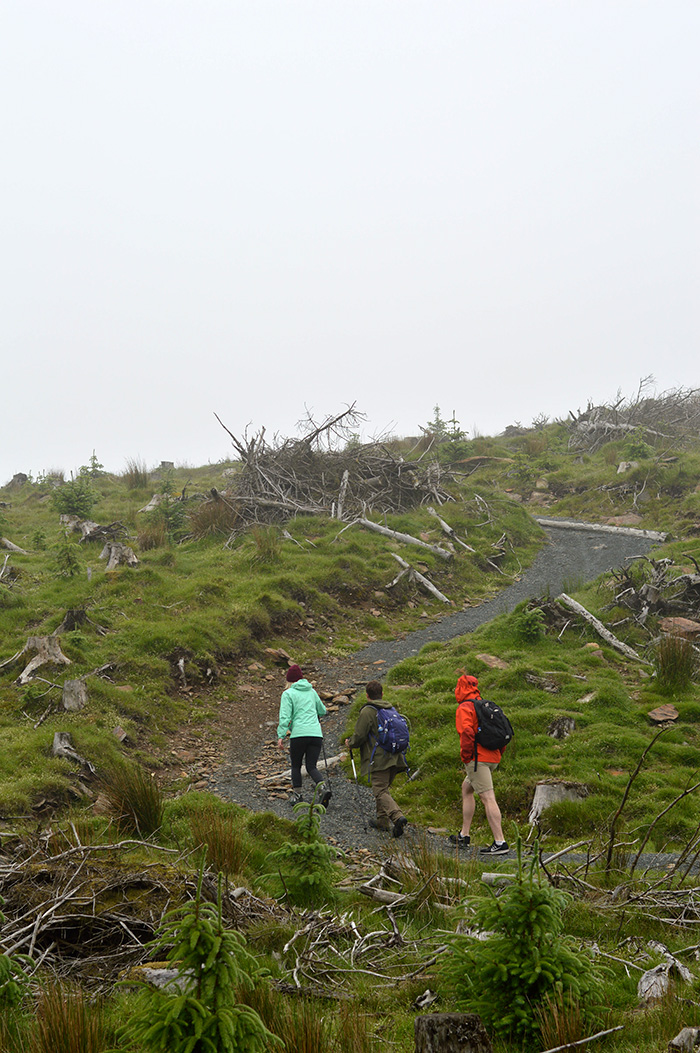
<point>569,559</point>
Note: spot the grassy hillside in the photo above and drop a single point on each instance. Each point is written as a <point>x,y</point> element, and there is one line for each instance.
<point>204,601</point>
<point>207,602</point>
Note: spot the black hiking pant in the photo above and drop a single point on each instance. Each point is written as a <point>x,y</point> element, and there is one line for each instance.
<point>306,749</point>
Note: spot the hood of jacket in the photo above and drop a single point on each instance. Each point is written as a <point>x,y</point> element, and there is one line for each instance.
<point>467,687</point>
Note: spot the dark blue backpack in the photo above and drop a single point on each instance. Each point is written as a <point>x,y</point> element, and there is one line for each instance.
<point>392,731</point>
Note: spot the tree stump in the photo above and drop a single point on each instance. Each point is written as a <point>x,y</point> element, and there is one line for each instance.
<point>561,727</point>
<point>547,793</point>
<point>48,651</point>
<point>116,552</point>
<point>74,695</point>
<point>63,747</point>
<point>450,1033</point>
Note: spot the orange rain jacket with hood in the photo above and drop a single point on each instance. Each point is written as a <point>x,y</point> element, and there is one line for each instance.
<point>466,691</point>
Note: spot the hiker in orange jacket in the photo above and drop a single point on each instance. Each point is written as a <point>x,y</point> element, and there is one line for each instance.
<point>478,778</point>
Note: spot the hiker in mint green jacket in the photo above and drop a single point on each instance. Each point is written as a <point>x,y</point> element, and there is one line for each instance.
<point>300,708</point>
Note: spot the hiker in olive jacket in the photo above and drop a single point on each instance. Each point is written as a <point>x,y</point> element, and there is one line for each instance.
<point>380,767</point>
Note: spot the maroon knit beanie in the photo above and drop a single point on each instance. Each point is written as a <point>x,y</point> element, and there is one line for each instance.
<point>294,673</point>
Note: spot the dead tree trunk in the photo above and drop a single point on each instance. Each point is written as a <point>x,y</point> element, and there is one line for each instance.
<point>4,543</point>
<point>603,528</point>
<point>447,529</point>
<point>414,575</point>
<point>609,638</point>
<point>406,538</point>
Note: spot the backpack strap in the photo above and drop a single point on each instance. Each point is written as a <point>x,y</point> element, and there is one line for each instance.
<point>376,707</point>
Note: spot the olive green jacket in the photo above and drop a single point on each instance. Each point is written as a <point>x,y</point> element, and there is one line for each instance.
<point>364,737</point>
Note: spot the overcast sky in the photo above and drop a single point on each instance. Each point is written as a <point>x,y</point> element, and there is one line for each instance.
<point>273,207</point>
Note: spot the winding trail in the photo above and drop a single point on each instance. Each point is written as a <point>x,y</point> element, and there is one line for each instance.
<point>570,559</point>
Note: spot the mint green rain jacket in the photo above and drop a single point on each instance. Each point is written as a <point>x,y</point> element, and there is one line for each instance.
<point>300,708</point>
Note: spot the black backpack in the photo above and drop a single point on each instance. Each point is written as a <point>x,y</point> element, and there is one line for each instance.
<point>495,731</point>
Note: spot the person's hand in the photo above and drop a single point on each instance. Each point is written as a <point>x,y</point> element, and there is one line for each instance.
<point>347,742</point>
<point>280,744</point>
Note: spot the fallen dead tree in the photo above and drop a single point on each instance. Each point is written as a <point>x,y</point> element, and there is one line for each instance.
<point>414,575</point>
<point>325,472</point>
<point>603,528</point>
<point>605,634</point>
<point>407,539</point>
<point>4,543</point>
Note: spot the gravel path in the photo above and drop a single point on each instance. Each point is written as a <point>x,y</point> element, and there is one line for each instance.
<point>571,558</point>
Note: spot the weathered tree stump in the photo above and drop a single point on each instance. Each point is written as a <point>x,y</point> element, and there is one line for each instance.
<point>116,552</point>
<point>75,695</point>
<point>48,651</point>
<point>686,1040</point>
<point>450,1033</point>
<point>547,793</point>
<point>63,747</point>
<point>561,727</point>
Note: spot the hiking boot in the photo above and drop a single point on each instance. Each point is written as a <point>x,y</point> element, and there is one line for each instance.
<point>460,840</point>
<point>399,826</point>
<point>295,798</point>
<point>326,796</point>
<point>496,849</point>
<point>384,827</point>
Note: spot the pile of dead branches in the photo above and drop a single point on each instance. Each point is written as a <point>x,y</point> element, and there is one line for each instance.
<point>327,952</point>
<point>326,472</point>
<point>89,911</point>
<point>655,587</point>
<point>671,415</point>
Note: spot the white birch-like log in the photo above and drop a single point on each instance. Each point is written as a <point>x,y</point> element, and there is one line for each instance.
<point>381,895</point>
<point>341,494</point>
<point>4,543</point>
<point>450,531</point>
<point>603,528</point>
<point>323,765</point>
<point>606,635</point>
<point>415,575</point>
<point>408,539</point>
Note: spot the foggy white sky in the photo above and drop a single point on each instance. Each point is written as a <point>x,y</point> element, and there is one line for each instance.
<point>257,208</point>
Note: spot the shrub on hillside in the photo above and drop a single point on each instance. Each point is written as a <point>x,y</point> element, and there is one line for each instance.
<point>525,959</point>
<point>77,497</point>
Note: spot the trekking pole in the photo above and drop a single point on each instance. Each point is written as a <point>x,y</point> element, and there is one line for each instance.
<point>325,761</point>
<point>357,793</point>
